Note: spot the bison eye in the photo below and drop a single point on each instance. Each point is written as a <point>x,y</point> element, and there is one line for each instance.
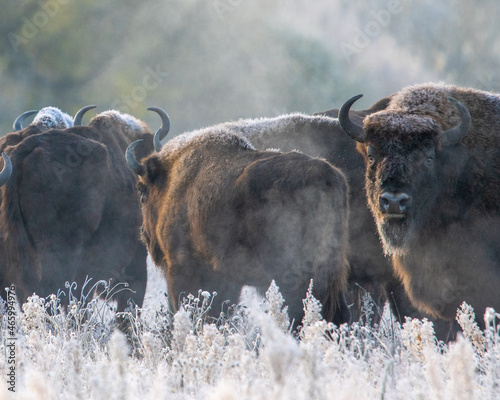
<point>142,192</point>
<point>429,161</point>
<point>370,157</point>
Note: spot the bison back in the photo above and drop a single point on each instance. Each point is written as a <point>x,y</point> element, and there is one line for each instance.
<point>50,207</point>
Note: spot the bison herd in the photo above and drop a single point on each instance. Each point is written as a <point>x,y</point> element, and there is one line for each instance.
<point>400,201</point>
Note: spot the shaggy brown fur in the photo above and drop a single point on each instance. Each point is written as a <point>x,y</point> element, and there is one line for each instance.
<point>445,246</point>
<point>70,208</point>
<point>219,215</point>
<point>315,136</point>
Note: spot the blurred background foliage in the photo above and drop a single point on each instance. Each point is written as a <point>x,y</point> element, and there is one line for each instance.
<point>209,61</point>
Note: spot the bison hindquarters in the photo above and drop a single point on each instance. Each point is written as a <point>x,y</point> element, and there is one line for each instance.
<point>62,222</point>
<point>296,228</point>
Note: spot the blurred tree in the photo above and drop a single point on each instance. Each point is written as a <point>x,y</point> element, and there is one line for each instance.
<point>207,62</point>
<point>51,49</point>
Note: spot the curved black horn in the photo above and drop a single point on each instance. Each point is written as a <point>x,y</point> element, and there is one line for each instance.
<point>79,115</point>
<point>131,160</point>
<point>349,127</point>
<point>165,127</point>
<point>7,170</point>
<point>455,134</point>
<point>18,123</point>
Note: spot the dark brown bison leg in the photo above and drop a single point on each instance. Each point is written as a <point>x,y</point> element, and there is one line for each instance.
<point>335,308</point>
<point>375,295</point>
<point>135,274</point>
<point>398,300</point>
<point>194,274</point>
<point>183,278</point>
<point>342,313</point>
<point>254,276</point>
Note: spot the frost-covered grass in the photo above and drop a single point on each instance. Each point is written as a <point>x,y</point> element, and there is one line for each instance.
<point>250,354</point>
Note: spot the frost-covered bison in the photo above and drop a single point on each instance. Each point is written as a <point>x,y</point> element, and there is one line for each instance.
<point>433,185</point>
<point>70,208</point>
<point>320,136</point>
<point>219,215</point>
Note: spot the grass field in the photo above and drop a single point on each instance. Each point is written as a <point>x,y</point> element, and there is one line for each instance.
<point>249,355</point>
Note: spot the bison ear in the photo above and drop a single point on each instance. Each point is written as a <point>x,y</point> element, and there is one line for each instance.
<point>154,169</point>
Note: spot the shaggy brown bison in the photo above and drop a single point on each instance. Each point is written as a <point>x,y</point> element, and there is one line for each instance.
<point>49,117</point>
<point>219,215</point>
<point>433,185</point>
<point>70,208</point>
<point>318,135</point>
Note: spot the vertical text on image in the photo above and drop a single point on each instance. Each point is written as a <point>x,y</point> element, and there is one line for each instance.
<point>11,338</point>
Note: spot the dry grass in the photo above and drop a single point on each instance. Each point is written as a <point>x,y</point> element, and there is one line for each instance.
<point>250,354</point>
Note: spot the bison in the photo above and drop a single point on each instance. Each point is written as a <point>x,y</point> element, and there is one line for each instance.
<point>219,214</point>
<point>433,186</point>
<point>48,117</point>
<point>319,136</point>
<point>70,209</point>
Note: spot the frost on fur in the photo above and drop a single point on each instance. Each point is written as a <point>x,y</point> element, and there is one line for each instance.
<point>219,134</point>
<point>52,118</point>
<point>108,121</point>
<point>126,120</point>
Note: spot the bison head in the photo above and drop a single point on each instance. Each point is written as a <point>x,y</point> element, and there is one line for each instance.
<point>151,179</point>
<point>408,161</point>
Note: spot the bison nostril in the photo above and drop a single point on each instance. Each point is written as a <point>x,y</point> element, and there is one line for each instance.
<point>383,203</point>
<point>404,202</point>
<point>394,203</point>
